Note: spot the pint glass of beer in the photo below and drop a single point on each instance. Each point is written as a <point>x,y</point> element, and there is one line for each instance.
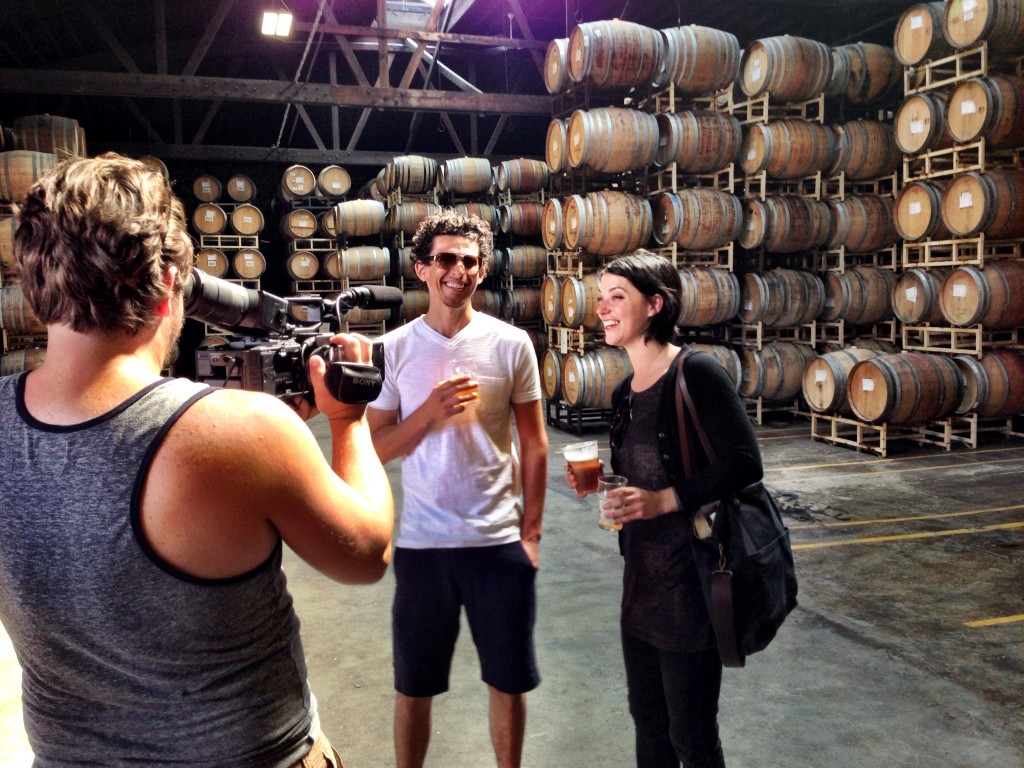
<point>605,505</point>
<point>582,457</point>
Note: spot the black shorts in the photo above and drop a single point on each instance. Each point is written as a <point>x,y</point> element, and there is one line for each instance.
<point>497,585</point>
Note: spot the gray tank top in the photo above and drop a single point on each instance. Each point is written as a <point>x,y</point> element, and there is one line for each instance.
<point>127,661</point>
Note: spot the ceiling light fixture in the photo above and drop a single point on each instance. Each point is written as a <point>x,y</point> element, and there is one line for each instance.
<point>277,23</point>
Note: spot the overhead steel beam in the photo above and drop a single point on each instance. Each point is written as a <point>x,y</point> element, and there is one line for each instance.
<point>265,91</point>
<point>422,36</point>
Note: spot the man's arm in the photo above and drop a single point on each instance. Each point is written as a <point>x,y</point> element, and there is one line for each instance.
<point>533,450</point>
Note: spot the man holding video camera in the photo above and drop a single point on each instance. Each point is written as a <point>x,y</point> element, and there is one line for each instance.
<point>144,517</point>
<point>471,514</point>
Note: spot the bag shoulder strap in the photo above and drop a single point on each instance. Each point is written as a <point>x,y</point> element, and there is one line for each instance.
<point>683,396</point>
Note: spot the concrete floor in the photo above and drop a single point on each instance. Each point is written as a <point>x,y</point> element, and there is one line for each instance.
<point>880,666</point>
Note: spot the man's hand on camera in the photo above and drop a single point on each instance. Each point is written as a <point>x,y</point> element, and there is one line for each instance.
<point>355,348</point>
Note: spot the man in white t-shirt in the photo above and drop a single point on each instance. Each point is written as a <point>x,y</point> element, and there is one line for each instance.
<point>471,519</point>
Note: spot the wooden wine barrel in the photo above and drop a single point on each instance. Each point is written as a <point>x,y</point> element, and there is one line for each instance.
<point>327,224</point>
<point>993,384</point>
<point>992,295</point>
<point>612,139</point>
<point>919,34</point>
<point>240,188</point>
<point>988,107</point>
<point>302,265</point>
<point>488,302</point>
<point>209,219</point>
<point>989,202</point>
<point>248,263</point>
<point>825,379</point>
<point>359,217</point>
<point>465,175</point>
<point>697,218</point>
<point>156,165</point>
<point>698,140</point>
<point>207,188</point>
<point>333,181</point>
<point>246,219</point>
<point>407,263</point>
<point>614,53</point>
<point>526,262</point>
<point>485,212</point>
<point>917,214</point>
<point>414,304</point>
<point>579,302</point>
<point>921,123</point>
<point>699,60</point>
<point>865,149</point>
<point>775,371</point>
<point>785,223</point>
<point>588,379</point>
<point>51,134</point>
<point>787,68</point>
<point>710,296</point>
<point>556,65</point>
<point>787,149</point>
<point>998,22</point>
<point>862,223</point>
<point>551,224</point>
<point>555,154</point>
<point>726,356</point>
<point>606,222</point>
<point>298,224</point>
<point>917,293</point>
<point>296,181</point>
<point>781,298</point>
<point>551,299</point>
<point>861,295</point>
<point>407,217</point>
<point>18,360</point>
<point>16,317</point>
<point>874,72</point>
<point>20,169</point>
<point>521,304</point>
<point>907,388</point>
<point>213,261</point>
<point>364,316</point>
<point>523,218</point>
<point>414,174</point>
<point>363,263</point>
<point>522,176</point>
<point>8,226</point>
<point>551,373</point>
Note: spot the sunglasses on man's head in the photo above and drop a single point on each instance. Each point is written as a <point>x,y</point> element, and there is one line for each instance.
<point>448,260</point>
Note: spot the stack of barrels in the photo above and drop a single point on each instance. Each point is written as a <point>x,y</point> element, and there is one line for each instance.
<point>31,148</point>
<point>228,225</point>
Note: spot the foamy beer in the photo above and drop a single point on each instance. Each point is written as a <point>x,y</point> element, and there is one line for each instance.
<point>582,457</point>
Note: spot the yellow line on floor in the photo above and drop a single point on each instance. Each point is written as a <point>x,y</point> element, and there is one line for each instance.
<point>868,472</point>
<point>881,539</point>
<point>906,519</point>
<point>888,460</point>
<point>996,621</point>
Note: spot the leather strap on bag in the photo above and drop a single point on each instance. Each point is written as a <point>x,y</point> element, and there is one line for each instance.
<point>721,608</point>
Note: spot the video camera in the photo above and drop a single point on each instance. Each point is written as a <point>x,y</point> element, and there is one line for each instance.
<point>281,334</point>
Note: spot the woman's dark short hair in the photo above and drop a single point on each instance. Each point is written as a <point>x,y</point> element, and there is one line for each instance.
<point>448,222</point>
<point>653,275</point>
<point>94,239</point>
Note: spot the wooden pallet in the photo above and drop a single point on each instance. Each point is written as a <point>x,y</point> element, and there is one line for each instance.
<point>875,438</point>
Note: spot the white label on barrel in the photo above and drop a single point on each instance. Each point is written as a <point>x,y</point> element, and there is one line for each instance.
<point>577,55</point>
<point>917,21</point>
<point>205,185</point>
<point>830,302</point>
<point>969,5</point>
<point>563,342</point>
<point>819,377</point>
<point>966,201</point>
<point>917,126</point>
<point>959,291</point>
<point>868,385</point>
<point>912,294</point>
<point>571,377</point>
<point>249,260</point>
<point>246,219</point>
<point>576,140</point>
<point>914,208</point>
<point>750,226</point>
<point>751,154</point>
<point>335,185</point>
<point>664,228</point>
<point>211,261</point>
<point>755,74</point>
<point>208,215</point>
<point>305,261</point>
<point>551,227</point>
<point>968,107</point>
<point>573,223</point>
<point>748,305</point>
<point>968,15</point>
<point>240,185</point>
<point>551,305</point>
<point>663,141</point>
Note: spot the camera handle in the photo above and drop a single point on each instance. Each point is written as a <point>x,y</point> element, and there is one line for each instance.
<point>349,382</point>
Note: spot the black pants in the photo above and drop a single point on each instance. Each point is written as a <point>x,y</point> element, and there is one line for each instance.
<point>673,698</point>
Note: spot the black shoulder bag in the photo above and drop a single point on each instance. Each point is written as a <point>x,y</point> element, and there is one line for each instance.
<point>743,555</point>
